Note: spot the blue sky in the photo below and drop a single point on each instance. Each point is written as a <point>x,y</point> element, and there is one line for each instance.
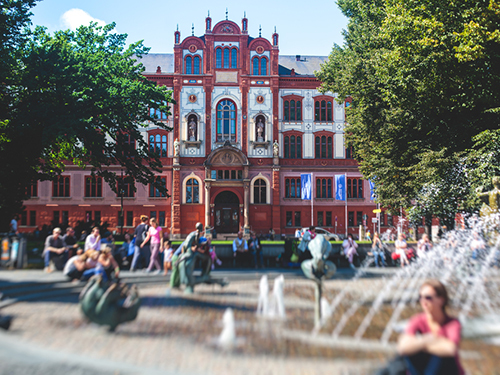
<point>305,28</point>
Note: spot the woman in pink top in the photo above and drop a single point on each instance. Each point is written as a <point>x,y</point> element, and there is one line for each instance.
<point>154,233</point>
<point>431,339</point>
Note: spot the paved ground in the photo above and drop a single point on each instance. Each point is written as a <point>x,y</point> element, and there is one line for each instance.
<point>50,336</point>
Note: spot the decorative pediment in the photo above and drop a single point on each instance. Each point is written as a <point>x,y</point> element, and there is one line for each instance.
<point>227,156</point>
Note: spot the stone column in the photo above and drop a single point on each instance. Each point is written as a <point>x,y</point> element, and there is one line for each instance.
<point>176,202</point>
<point>207,204</point>
<point>246,185</point>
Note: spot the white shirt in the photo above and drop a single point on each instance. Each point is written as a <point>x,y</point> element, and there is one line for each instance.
<point>236,244</point>
<point>92,243</point>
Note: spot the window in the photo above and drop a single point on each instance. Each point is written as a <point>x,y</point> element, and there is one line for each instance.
<point>158,144</point>
<point>324,147</point>
<point>323,110</point>
<point>255,65</point>
<point>24,218</point>
<point>226,58</point>
<point>288,219</point>
<point>259,66</point>
<point>359,218</point>
<point>349,152</point>
<point>65,217</point>
<point>292,188</point>
<point>56,218</point>
<point>155,192</point>
<point>263,66</point>
<point>88,216</point>
<point>161,218</point>
<point>354,188</point>
<point>324,187</point>
<point>60,187</point>
<point>382,218</point>
<point>350,220</point>
<point>196,65</point>
<point>97,217</point>
<point>328,221</point>
<point>189,65</point>
<point>32,189</point>
<point>125,187</point>
<point>319,218</point>
<point>32,218</point>
<point>226,121</point>
<point>227,175</point>
<point>157,114</point>
<point>93,187</point>
<point>218,58</point>
<point>234,58</point>
<point>192,191</point>
<point>259,191</point>
<point>297,219</point>
<point>127,143</point>
<point>130,219</point>
<point>292,109</point>
<point>293,147</point>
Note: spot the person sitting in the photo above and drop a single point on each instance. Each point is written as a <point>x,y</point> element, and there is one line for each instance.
<point>378,250</point>
<point>400,250</point>
<point>93,240</point>
<point>423,245</point>
<point>107,265</point>
<point>126,251</point>
<point>312,231</point>
<point>168,253</point>
<point>75,267</point>
<point>70,242</point>
<point>431,340</point>
<point>54,250</point>
<point>240,249</point>
<point>256,250</point>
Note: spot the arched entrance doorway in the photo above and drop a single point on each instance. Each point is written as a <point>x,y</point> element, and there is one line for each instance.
<point>227,212</point>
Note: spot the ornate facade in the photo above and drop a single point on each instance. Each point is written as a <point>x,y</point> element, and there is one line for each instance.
<point>247,122</point>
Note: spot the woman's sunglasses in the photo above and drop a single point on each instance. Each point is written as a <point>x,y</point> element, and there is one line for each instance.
<point>427,298</point>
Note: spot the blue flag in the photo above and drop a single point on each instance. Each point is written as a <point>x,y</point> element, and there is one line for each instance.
<point>372,190</point>
<point>340,187</point>
<point>305,186</point>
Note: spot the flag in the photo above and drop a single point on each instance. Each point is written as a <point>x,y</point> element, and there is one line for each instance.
<point>372,190</point>
<point>340,187</point>
<point>305,185</point>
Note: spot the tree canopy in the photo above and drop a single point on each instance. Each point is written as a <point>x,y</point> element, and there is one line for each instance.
<point>424,79</point>
<point>72,97</point>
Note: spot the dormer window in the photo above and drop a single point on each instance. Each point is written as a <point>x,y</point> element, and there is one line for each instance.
<point>226,58</point>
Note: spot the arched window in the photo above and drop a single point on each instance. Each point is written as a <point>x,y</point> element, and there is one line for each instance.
<point>218,58</point>
<point>255,64</point>
<point>158,144</point>
<point>263,66</point>
<point>234,58</point>
<point>286,114</point>
<point>226,121</point>
<point>354,188</point>
<point>196,67</point>
<point>292,147</point>
<point>299,147</point>
<point>259,191</point>
<point>299,111</point>
<point>323,109</point>
<point>287,148</point>
<point>226,58</point>
<point>192,191</point>
<point>324,147</point>
<point>292,110</point>
<point>189,63</point>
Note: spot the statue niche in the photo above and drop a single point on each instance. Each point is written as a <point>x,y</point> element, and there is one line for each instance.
<point>260,129</point>
<point>192,128</point>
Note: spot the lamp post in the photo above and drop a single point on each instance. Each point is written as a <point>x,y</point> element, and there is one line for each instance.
<point>121,203</point>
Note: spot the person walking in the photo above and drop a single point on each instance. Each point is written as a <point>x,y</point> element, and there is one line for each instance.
<point>350,247</point>
<point>156,237</point>
<point>140,234</point>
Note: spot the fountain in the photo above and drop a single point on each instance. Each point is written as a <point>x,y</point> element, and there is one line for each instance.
<point>227,338</point>
<point>274,308</point>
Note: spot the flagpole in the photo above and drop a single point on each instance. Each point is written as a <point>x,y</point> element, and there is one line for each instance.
<point>345,182</point>
<point>312,197</point>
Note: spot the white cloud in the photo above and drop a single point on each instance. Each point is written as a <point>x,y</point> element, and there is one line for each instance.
<point>74,18</point>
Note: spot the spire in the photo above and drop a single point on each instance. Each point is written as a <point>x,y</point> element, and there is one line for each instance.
<point>192,29</point>
<point>260,31</point>
<point>226,13</point>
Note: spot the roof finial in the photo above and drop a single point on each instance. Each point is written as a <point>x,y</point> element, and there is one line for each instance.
<point>275,29</point>
<point>260,31</point>
<point>226,13</point>
<point>245,14</point>
<point>209,13</point>
<point>177,27</point>
<point>192,30</point>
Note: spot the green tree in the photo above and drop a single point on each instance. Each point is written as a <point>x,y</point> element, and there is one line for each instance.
<point>423,85</point>
<point>75,98</point>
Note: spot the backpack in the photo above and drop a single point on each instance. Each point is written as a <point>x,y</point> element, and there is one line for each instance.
<point>145,233</point>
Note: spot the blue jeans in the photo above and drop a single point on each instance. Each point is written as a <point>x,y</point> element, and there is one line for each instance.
<point>257,254</point>
<point>49,255</point>
<point>377,254</point>
<point>140,254</point>
<point>423,363</point>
